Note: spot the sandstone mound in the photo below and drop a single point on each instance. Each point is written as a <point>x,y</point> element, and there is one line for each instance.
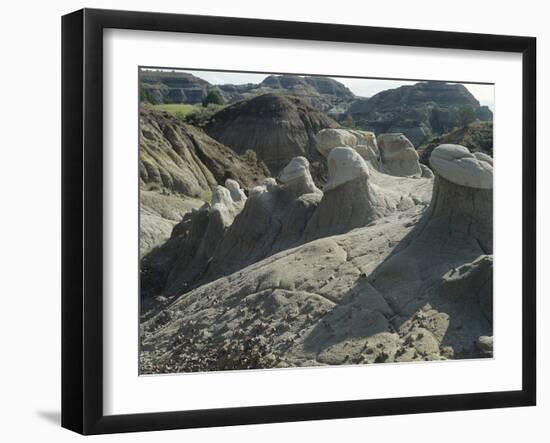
<point>391,154</point>
<point>350,200</point>
<point>272,220</point>
<point>455,236</point>
<point>363,142</point>
<point>328,139</point>
<point>158,214</point>
<point>175,265</point>
<point>398,155</point>
<point>278,216</point>
<point>237,194</point>
<point>234,232</point>
<point>275,126</point>
<point>456,164</point>
<point>296,177</point>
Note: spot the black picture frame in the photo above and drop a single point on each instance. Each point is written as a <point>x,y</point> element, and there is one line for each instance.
<point>82,218</point>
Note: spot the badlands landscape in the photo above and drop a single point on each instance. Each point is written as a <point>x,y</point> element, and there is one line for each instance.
<point>276,233</point>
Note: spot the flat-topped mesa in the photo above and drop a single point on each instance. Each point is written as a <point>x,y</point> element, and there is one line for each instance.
<point>364,142</point>
<point>463,192</point>
<point>398,156</point>
<point>296,178</point>
<point>349,201</point>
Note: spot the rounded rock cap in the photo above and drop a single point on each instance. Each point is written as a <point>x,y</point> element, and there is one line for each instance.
<point>458,165</point>
<point>329,138</point>
<point>221,196</point>
<point>485,157</point>
<point>237,194</point>
<point>296,168</point>
<point>344,165</point>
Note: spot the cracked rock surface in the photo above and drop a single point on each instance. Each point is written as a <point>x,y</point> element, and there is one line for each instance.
<point>410,281</point>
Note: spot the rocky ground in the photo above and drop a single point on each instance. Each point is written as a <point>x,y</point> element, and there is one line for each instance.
<point>388,261</point>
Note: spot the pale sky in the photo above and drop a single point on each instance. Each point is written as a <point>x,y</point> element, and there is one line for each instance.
<point>363,87</point>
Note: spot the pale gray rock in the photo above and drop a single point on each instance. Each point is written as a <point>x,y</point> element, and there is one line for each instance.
<point>154,230</point>
<point>364,142</point>
<point>365,138</point>
<point>482,156</point>
<point>307,304</point>
<point>458,165</point>
<point>237,194</point>
<point>267,184</point>
<point>296,177</point>
<point>398,155</point>
<point>350,199</point>
<point>278,217</point>
<point>344,165</point>
<point>159,213</point>
<point>186,256</point>
<point>407,283</point>
<point>270,183</point>
<point>272,220</point>
<point>443,271</point>
<point>426,172</point>
<point>371,155</point>
<point>328,139</point>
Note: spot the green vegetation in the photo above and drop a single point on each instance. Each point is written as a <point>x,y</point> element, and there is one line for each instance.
<point>180,110</point>
<point>476,136</point>
<point>195,115</point>
<point>213,97</point>
<point>466,115</point>
<point>146,96</point>
<point>250,156</point>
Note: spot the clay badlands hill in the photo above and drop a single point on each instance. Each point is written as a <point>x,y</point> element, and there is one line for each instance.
<point>178,167</point>
<point>381,259</point>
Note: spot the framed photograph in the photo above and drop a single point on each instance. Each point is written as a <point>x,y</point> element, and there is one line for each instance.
<point>270,221</point>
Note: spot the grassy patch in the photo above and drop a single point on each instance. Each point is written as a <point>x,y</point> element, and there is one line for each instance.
<point>180,110</point>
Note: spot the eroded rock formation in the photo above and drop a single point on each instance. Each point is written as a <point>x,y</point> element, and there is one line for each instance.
<point>350,200</point>
<point>407,283</point>
<point>179,165</point>
<point>418,111</point>
<point>398,155</point>
<point>174,266</point>
<point>275,126</point>
<point>363,142</point>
